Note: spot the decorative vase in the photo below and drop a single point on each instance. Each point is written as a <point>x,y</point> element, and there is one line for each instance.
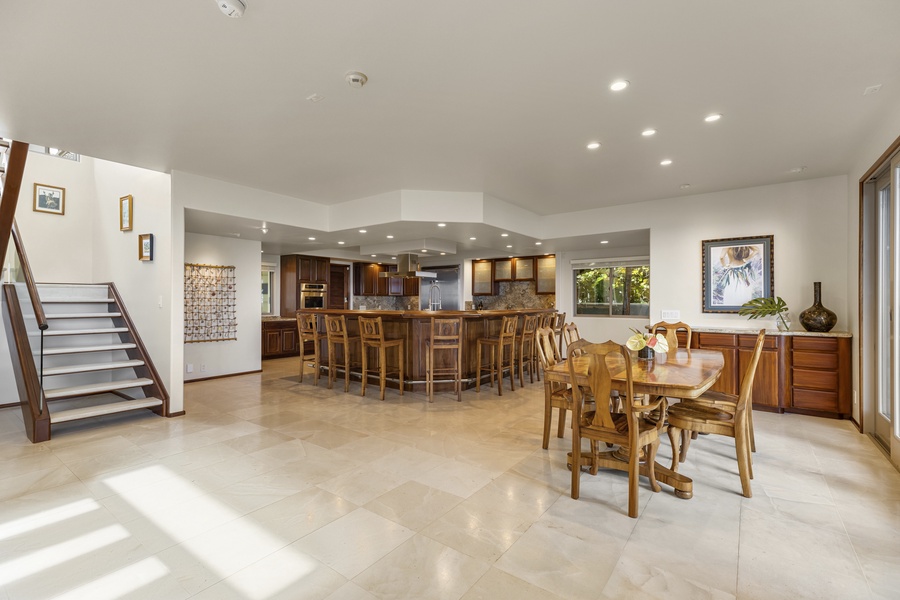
<point>783,321</point>
<point>646,352</point>
<point>818,318</point>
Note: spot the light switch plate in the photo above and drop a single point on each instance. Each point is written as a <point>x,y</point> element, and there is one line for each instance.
<point>670,314</point>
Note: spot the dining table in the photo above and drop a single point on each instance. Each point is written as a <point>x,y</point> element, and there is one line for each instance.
<point>684,373</point>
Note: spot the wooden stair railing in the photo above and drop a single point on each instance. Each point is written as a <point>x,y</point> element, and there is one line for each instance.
<point>15,169</point>
<point>39,315</point>
<point>34,407</point>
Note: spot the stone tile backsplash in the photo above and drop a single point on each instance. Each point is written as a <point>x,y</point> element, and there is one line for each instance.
<point>386,302</point>
<point>516,294</point>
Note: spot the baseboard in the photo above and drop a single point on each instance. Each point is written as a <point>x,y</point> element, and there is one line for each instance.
<point>186,381</point>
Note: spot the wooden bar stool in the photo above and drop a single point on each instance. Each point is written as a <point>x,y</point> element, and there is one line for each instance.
<point>506,337</point>
<point>309,332</point>
<point>371,331</point>
<point>336,332</point>
<point>558,326</point>
<point>527,348</point>
<point>446,335</point>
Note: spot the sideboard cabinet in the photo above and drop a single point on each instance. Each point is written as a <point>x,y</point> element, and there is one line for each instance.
<point>796,372</point>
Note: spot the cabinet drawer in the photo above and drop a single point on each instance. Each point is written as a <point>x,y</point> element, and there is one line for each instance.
<point>817,380</point>
<point>717,339</point>
<point>749,341</point>
<point>815,400</point>
<point>822,344</point>
<point>815,360</point>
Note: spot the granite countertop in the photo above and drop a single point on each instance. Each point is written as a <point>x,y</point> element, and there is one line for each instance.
<point>277,319</point>
<point>423,314</point>
<point>749,331</point>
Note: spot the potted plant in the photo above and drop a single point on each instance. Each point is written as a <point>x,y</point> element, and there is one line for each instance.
<point>768,307</point>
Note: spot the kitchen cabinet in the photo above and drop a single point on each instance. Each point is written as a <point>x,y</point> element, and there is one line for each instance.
<point>523,269</point>
<point>365,279</point>
<point>280,338</point>
<point>545,282</point>
<point>313,269</point>
<point>482,278</point>
<point>503,269</point>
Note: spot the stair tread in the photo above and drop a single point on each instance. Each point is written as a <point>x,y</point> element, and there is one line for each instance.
<point>102,315</point>
<point>67,369</point>
<point>98,330</point>
<point>98,410</point>
<point>80,349</point>
<point>96,388</point>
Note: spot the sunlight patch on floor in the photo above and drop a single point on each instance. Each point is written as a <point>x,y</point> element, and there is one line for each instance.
<point>47,517</point>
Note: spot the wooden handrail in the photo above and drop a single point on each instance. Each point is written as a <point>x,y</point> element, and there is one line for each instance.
<point>140,352</point>
<point>15,169</point>
<point>37,420</point>
<point>29,279</point>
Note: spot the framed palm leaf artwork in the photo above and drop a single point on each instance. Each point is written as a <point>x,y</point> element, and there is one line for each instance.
<point>736,270</point>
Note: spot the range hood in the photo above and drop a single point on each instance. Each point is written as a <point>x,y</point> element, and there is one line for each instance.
<point>408,266</point>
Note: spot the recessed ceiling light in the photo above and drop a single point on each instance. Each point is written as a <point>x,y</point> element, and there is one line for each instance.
<point>262,251</point>
<point>593,145</point>
<point>510,256</point>
<point>666,162</point>
<point>390,237</point>
<point>713,117</point>
<point>442,224</point>
<point>374,255</point>
<point>604,241</point>
<point>472,238</point>
<point>312,239</point>
<point>509,246</point>
<point>504,235</point>
<point>315,97</point>
<point>648,132</point>
<point>685,186</point>
<point>424,250</point>
<point>393,258</point>
<point>546,253</point>
<point>265,230</point>
<point>538,243</point>
<point>618,86</point>
<point>872,89</point>
<point>362,230</point>
<point>798,169</point>
<point>340,243</point>
<point>443,254</point>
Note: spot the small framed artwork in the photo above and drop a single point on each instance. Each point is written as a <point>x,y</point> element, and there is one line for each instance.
<point>145,246</point>
<point>736,270</point>
<point>126,213</point>
<point>49,199</point>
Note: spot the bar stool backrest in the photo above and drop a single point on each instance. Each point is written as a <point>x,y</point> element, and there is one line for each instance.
<point>508,327</point>
<point>309,329</point>
<point>530,325</point>
<point>336,327</point>
<point>371,329</point>
<point>446,332</point>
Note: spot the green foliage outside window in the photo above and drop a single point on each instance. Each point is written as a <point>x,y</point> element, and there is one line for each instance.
<point>613,291</point>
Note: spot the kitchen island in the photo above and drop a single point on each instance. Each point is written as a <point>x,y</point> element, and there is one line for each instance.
<point>414,327</point>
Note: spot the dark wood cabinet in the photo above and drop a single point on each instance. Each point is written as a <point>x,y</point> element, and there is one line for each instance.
<point>523,269</point>
<point>313,269</point>
<point>807,374</point>
<point>280,338</point>
<point>545,275</point>
<point>503,269</point>
<point>367,281</point>
<point>411,286</point>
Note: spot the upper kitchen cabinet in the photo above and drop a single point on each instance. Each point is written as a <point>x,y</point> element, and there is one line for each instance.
<point>523,269</point>
<point>546,275</point>
<point>503,269</point>
<point>313,269</point>
<point>482,277</point>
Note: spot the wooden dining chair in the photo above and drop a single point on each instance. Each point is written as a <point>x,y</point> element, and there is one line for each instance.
<point>630,429</point>
<point>371,332</point>
<point>671,332</point>
<point>559,321</point>
<point>722,419</point>
<point>559,394</point>
<point>569,334</point>
<point>309,333</point>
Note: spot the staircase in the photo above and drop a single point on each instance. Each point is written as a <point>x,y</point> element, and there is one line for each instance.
<point>94,362</point>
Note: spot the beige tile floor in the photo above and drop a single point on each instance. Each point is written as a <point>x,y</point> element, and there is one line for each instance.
<point>268,488</point>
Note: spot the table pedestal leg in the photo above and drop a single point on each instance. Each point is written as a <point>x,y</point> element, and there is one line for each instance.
<point>684,486</point>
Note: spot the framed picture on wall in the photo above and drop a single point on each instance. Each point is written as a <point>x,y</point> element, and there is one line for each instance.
<point>49,199</point>
<point>126,213</point>
<point>145,246</point>
<point>736,270</point>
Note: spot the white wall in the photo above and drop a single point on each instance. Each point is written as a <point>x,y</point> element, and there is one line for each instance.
<point>233,356</point>
<point>807,218</point>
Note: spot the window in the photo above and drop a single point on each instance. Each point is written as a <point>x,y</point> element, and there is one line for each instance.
<point>612,288</point>
<point>268,291</point>
<point>55,152</point>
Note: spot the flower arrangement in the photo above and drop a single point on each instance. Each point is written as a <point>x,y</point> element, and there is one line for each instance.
<point>767,307</point>
<point>639,341</point>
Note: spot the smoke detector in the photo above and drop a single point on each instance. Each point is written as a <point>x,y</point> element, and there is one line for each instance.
<point>356,79</point>
<point>232,8</point>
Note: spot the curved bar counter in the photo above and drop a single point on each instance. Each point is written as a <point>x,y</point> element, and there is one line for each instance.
<point>414,326</point>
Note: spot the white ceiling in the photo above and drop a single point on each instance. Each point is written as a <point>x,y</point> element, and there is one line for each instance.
<point>497,96</point>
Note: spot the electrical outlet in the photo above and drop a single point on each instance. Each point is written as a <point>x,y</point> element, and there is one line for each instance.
<point>202,367</point>
<point>855,398</point>
<point>189,368</point>
<point>670,314</point>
